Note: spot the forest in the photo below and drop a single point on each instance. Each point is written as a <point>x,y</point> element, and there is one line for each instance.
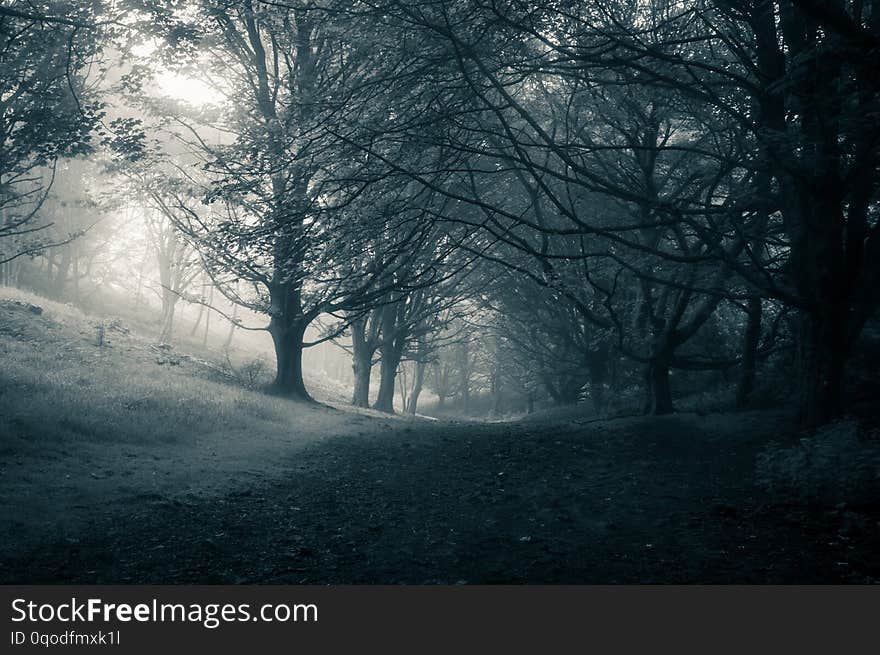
<point>491,260</point>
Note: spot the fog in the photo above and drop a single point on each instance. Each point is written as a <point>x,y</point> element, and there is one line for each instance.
<point>511,258</point>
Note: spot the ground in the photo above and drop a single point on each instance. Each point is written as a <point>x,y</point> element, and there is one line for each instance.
<point>127,464</point>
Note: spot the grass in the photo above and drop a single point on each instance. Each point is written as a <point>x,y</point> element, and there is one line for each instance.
<point>87,428</point>
<point>838,464</point>
<point>56,385</point>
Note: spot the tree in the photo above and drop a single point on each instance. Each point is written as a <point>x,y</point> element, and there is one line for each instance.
<point>279,193</point>
<point>658,109</point>
<point>799,80</point>
<point>46,110</point>
<point>177,261</point>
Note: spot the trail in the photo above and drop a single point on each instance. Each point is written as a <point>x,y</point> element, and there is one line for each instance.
<point>636,500</point>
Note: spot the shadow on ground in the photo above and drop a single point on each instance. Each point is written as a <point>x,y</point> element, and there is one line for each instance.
<point>668,500</point>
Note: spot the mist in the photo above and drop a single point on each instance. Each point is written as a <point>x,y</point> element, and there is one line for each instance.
<point>379,292</point>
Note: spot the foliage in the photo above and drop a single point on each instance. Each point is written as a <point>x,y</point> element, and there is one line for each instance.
<point>625,197</point>
<point>252,373</point>
<point>49,110</point>
<point>837,464</point>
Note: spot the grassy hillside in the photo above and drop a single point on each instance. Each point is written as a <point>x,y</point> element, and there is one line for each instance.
<point>82,424</point>
<point>58,384</point>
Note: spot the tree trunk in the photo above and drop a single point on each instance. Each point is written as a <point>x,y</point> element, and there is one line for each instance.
<point>169,304</point>
<point>361,363</point>
<point>464,370</point>
<point>392,352</point>
<point>824,352</point>
<point>750,353</point>
<point>827,196</point>
<point>496,391</point>
<point>391,349</point>
<point>288,358</point>
<point>195,327</point>
<point>60,282</point>
<point>402,385</point>
<point>659,389</point>
<point>362,367</point>
<point>208,317</point>
<point>387,376</point>
<point>9,273</point>
<point>288,328</point>
<point>598,362</point>
<point>413,401</point>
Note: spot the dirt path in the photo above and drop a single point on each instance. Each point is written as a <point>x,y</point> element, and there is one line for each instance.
<point>638,501</point>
